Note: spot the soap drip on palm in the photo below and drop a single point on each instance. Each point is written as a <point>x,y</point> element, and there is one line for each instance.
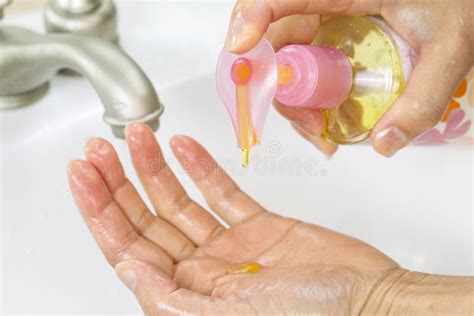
<point>247,267</point>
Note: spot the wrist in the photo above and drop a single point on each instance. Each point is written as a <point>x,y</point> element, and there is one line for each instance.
<point>403,292</point>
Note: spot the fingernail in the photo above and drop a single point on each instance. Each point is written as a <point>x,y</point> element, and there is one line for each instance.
<point>127,276</point>
<point>239,32</point>
<point>236,31</point>
<point>390,140</point>
<point>309,128</point>
<point>177,139</point>
<point>81,174</point>
<point>70,165</point>
<point>235,28</point>
<point>78,165</point>
<point>183,151</point>
<point>326,147</point>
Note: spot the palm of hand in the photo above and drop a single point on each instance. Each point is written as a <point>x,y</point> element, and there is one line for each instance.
<point>298,259</point>
<point>186,257</point>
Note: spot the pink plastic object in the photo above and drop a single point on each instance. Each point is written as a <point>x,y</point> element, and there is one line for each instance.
<point>321,76</point>
<point>261,86</point>
<point>455,128</point>
<point>241,71</point>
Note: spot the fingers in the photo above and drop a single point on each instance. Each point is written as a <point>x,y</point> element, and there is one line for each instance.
<point>221,193</point>
<point>309,124</point>
<point>104,158</point>
<point>251,19</point>
<point>166,193</point>
<point>327,148</point>
<point>296,29</point>
<point>113,233</point>
<point>430,88</point>
<point>158,294</point>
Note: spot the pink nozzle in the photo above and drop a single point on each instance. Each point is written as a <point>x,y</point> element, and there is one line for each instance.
<point>241,71</point>
<point>312,77</point>
<point>257,70</point>
<point>321,77</point>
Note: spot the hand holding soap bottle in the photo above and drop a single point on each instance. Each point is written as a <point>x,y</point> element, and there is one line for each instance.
<point>353,72</point>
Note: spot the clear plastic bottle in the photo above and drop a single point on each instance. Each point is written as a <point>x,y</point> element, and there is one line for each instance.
<point>380,63</point>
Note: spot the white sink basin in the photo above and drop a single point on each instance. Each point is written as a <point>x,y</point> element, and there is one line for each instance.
<point>416,207</point>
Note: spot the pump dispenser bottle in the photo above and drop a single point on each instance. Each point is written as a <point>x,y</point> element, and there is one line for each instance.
<point>354,70</point>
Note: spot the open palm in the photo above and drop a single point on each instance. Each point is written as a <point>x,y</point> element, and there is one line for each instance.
<point>184,260</point>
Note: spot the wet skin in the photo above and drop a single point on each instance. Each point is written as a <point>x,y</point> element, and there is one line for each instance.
<point>179,258</point>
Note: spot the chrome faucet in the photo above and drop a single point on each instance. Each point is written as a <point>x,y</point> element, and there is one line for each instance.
<point>87,17</point>
<point>29,60</point>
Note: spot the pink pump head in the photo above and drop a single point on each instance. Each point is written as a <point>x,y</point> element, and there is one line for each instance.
<point>319,77</point>
<point>261,85</point>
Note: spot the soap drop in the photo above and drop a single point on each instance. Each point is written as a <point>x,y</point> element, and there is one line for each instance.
<point>241,71</point>
<point>241,74</point>
<point>245,157</point>
<point>248,267</point>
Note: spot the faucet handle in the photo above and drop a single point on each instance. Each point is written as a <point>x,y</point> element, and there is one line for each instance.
<point>75,7</point>
<point>96,18</point>
<point>3,4</point>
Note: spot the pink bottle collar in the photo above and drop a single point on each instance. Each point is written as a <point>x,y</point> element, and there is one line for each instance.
<point>321,76</point>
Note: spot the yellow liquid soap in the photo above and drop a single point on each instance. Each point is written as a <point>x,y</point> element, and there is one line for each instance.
<point>248,267</point>
<point>245,157</point>
<point>241,73</point>
<point>285,74</point>
<point>377,75</point>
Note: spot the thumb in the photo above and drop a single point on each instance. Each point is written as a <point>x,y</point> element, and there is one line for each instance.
<point>158,294</point>
<point>147,282</point>
<point>420,107</point>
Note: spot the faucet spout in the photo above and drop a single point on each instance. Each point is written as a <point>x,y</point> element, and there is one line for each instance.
<point>29,60</point>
